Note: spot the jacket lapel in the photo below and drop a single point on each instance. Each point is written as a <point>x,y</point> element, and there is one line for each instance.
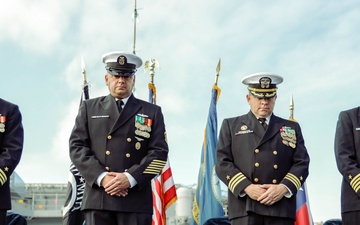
<point>254,124</point>
<point>273,128</point>
<point>131,108</point>
<point>110,107</point>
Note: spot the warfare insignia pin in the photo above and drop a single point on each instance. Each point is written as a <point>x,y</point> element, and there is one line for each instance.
<point>142,134</point>
<point>243,130</point>
<point>292,145</point>
<point>285,142</point>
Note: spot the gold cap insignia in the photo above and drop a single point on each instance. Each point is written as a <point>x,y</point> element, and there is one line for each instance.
<point>265,82</point>
<point>121,60</point>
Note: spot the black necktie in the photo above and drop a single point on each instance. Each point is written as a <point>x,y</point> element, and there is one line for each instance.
<point>120,105</point>
<point>263,122</point>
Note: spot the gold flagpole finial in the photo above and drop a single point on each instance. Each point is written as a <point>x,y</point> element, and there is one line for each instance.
<point>83,70</point>
<point>292,106</point>
<point>217,72</point>
<point>150,65</point>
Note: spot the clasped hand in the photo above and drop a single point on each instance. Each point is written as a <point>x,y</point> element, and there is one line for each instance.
<point>116,184</point>
<point>266,194</point>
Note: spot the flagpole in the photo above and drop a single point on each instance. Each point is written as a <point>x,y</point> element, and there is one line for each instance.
<point>85,85</point>
<point>217,72</point>
<point>83,70</point>
<point>218,67</point>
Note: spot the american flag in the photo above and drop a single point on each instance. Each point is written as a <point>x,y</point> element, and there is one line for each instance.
<point>163,186</point>
<point>164,194</point>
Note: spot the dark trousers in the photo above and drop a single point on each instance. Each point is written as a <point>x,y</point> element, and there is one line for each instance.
<point>103,217</point>
<point>350,218</point>
<point>15,219</point>
<point>3,217</point>
<point>256,219</point>
<point>75,217</point>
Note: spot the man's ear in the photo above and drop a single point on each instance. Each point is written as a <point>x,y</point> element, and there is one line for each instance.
<point>106,79</point>
<point>248,97</point>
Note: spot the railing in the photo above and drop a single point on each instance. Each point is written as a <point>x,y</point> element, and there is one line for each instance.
<point>40,201</point>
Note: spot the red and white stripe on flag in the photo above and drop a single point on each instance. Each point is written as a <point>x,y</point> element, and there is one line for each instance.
<point>163,193</point>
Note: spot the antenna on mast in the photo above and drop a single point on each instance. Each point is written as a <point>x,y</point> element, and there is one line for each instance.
<point>135,19</point>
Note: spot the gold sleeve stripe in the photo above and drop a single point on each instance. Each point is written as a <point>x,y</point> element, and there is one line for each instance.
<point>3,177</point>
<point>155,167</point>
<point>293,179</point>
<point>355,183</point>
<point>235,181</point>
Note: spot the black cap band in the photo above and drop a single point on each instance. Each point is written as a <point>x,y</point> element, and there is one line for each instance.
<point>117,66</point>
<point>114,68</point>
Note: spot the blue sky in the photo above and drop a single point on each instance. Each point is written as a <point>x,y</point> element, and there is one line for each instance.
<point>314,46</point>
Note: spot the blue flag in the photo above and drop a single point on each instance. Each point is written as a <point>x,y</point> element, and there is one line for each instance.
<point>207,202</point>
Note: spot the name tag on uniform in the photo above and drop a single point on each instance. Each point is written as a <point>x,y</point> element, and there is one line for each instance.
<point>358,128</point>
<point>99,117</point>
<point>243,132</point>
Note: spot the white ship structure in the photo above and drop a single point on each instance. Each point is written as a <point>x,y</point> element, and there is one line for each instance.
<point>43,203</point>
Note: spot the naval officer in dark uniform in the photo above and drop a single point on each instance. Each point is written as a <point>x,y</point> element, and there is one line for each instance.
<point>11,147</point>
<point>118,144</point>
<point>261,158</point>
<point>347,155</point>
